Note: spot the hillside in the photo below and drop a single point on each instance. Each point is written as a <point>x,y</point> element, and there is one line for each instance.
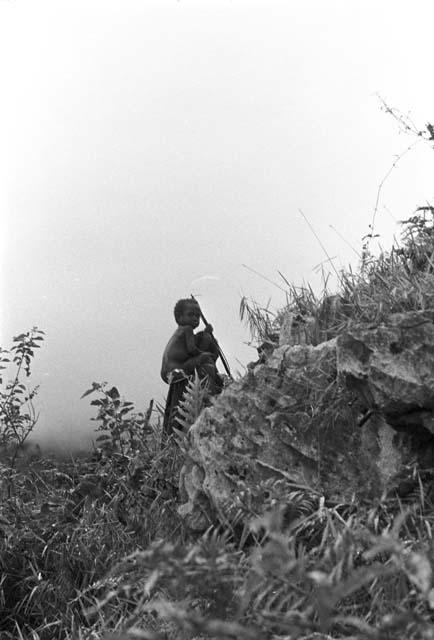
<point>297,504</point>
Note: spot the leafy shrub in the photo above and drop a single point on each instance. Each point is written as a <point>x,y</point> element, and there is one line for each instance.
<point>123,430</point>
<point>17,413</point>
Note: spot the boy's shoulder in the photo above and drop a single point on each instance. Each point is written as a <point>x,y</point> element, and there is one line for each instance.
<point>183,330</point>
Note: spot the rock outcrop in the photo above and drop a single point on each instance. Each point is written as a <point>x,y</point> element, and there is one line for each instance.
<point>342,417</point>
<point>391,366</point>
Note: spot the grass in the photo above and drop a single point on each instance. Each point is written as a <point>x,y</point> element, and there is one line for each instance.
<point>94,549</point>
<point>363,573</point>
<point>394,281</point>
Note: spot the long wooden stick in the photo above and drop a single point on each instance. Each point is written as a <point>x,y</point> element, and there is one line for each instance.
<point>220,352</point>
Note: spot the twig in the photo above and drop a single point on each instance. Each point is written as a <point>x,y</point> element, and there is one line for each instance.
<point>407,124</point>
<point>345,240</point>
<point>320,243</point>
<point>264,277</point>
<point>380,187</point>
<point>320,265</point>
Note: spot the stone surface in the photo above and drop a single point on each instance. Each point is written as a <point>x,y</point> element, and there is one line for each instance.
<point>391,366</point>
<point>287,419</point>
<point>344,418</point>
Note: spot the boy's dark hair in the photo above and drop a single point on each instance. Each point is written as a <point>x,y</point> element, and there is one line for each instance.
<point>180,306</point>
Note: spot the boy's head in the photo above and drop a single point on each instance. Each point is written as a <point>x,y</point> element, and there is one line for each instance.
<point>187,312</point>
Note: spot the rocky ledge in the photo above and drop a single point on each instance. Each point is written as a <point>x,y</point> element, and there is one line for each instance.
<point>343,418</point>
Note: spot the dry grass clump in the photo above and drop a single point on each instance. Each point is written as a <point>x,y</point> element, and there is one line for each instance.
<point>398,280</point>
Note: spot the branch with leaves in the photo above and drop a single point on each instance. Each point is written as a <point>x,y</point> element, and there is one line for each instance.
<point>17,413</point>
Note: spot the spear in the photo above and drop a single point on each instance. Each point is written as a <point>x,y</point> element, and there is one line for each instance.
<point>220,352</point>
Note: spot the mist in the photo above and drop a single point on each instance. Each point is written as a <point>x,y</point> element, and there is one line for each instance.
<point>153,150</point>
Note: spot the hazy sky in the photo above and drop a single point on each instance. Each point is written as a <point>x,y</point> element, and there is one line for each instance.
<point>150,149</point>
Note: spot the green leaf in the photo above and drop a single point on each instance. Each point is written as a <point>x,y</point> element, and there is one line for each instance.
<point>113,393</point>
<point>96,386</point>
<point>88,392</point>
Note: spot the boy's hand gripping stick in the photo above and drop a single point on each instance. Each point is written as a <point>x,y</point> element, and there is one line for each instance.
<point>220,352</point>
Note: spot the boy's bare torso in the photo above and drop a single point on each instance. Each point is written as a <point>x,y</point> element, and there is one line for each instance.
<point>180,348</point>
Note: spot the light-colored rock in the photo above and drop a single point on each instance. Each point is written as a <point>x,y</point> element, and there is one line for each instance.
<point>287,419</point>
<point>391,366</point>
<point>343,418</point>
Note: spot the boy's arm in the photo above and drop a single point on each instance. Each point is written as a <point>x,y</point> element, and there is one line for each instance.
<point>190,342</point>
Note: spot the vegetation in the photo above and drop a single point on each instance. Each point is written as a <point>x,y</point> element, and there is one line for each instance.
<point>94,548</point>
<point>17,413</point>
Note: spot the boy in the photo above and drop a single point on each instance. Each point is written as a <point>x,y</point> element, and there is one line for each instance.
<point>190,352</point>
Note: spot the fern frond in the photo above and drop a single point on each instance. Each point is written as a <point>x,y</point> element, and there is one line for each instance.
<point>192,402</point>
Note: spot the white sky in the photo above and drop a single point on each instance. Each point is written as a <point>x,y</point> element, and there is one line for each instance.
<point>149,149</point>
